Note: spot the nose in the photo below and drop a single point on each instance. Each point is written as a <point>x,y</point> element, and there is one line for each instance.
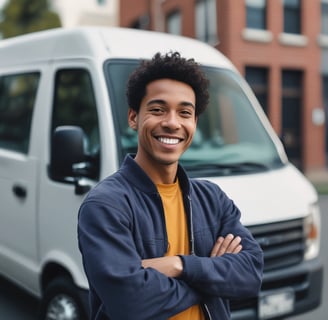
<point>171,120</point>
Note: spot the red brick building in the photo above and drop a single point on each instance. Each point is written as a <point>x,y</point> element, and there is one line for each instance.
<point>274,44</point>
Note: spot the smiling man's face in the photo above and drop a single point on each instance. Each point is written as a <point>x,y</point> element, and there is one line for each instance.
<point>166,122</point>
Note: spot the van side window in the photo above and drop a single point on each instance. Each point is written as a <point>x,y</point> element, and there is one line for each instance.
<point>17,97</point>
<point>75,105</point>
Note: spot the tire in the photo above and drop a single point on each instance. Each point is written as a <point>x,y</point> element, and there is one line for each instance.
<point>62,300</point>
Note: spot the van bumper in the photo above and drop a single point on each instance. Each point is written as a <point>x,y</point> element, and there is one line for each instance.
<point>304,281</point>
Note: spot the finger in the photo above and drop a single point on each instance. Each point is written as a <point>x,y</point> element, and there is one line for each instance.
<point>217,246</point>
<point>238,249</point>
<point>225,244</point>
<point>234,246</point>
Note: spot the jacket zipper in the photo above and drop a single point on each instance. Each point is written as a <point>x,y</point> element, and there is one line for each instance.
<point>208,314</point>
<point>191,228</point>
<point>192,250</point>
<point>166,242</point>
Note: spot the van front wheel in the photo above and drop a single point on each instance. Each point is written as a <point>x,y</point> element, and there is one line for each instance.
<point>62,300</point>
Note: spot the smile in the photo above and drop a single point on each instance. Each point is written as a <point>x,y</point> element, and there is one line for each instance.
<point>168,140</point>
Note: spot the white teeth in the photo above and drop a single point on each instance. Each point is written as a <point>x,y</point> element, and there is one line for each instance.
<point>168,140</point>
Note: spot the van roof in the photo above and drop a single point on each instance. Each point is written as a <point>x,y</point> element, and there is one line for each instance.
<point>103,43</point>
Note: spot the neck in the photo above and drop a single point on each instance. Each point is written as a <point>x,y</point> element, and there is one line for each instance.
<point>159,173</point>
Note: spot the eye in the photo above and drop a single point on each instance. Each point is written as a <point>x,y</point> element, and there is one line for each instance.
<point>156,110</point>
<point>187,113</point>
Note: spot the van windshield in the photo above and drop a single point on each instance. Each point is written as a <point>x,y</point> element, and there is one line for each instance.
<point>230,138</point>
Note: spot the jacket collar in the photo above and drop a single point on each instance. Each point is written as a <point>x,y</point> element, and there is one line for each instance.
<point>141,180</point>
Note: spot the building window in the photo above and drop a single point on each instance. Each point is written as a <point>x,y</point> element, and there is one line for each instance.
<point>142,23</point>
<point>292,16</point>
<point>206,24</point>
<point>173,23</point>
<point>292,110</point>
<point>325,103</point>
<point>258,80</point>
<point>324,17</point>
<point>256,14</point>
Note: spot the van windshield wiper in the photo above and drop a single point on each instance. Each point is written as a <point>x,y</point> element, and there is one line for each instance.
<point>226,168</point>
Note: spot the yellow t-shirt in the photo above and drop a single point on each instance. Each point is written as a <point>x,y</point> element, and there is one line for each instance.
<point>177,232</point>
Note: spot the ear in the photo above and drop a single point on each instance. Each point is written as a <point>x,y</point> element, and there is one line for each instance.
<point>133,119</point>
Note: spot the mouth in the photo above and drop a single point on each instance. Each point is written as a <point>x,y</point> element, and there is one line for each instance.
<point>169,141</point>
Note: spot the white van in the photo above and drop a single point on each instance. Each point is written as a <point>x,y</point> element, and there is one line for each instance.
<point>63,126</point>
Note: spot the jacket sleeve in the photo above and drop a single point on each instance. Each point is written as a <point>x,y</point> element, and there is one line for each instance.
<point>230,275</point>
<point>114,271</point>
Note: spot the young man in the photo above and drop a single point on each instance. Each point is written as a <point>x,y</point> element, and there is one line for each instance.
<point>156,244</point>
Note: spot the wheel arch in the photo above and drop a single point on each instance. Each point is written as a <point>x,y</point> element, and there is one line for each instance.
<point>57,264</point>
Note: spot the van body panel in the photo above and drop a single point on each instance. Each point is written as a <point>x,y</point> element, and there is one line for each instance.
<point>101,42</point>
<point>282,192</point>
<point>58,239</point>
<point>56,45</point>
<point>127,46</point>
<point>58,223</point>
<point>18,227</point>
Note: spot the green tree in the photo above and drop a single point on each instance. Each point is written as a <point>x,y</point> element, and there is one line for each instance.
<point>25,16</point>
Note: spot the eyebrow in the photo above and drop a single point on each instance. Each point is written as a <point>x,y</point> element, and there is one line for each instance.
<point>160,101</point>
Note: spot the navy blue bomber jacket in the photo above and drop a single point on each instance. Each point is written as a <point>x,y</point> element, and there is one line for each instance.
<point>121,222</point>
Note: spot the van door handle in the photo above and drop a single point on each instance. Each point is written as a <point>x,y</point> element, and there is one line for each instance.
<point>19,191</point>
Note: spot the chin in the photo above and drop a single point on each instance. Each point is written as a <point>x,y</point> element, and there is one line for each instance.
<point>167,161</point>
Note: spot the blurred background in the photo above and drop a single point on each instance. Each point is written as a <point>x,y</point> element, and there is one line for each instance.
<point>281,47</point>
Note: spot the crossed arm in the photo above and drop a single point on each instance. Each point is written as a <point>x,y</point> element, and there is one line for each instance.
<point>172,266</point>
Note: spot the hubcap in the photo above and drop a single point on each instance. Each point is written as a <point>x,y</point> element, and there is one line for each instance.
<point>62,307</point>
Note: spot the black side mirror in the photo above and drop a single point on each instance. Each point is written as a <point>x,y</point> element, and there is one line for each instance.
<point>67,155</point>
<point>66,150</point>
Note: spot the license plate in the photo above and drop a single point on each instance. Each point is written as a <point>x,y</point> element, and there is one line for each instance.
<point>273,304</point>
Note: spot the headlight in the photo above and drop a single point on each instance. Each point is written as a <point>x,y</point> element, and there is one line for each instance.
<point>312,225</point>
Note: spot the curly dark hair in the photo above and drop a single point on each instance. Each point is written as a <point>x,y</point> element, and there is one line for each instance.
<point>171,66</point>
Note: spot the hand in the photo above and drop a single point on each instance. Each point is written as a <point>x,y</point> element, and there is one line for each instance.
<point>171,266</point>
<point>229,244</point>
